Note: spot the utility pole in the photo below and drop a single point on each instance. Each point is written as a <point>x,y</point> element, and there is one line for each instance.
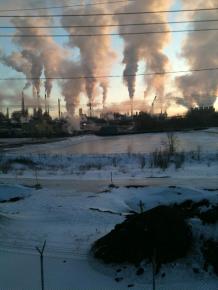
<point>41,252</point>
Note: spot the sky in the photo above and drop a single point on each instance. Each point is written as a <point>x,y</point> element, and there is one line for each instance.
<point>117,88</point>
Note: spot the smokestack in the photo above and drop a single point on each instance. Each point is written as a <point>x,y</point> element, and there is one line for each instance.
<point>38,102</point>
<point>90,109</point>
<point>48,108</point>
<point>7,113</point>
<point>22,104</point>
<point>59,108</point>
<point>131,104</point>
<point>45,103</point>
<point>80,112</point>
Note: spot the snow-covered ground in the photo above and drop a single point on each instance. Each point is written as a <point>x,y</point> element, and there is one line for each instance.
<point>75,207</point>
<point>70,222</point>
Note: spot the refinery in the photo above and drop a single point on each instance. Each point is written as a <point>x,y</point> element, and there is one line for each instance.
<point>38,121</point>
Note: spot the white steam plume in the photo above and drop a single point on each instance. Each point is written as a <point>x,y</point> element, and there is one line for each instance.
<point>200,51</point>
<point>145,47</point>
<point>71,88</point>
<point>36,53</point>
<point>96,55</point>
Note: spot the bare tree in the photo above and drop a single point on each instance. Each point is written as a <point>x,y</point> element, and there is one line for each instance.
<point>171,143</point>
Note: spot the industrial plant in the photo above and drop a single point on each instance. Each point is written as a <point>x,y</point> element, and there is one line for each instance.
<point>38,122</point>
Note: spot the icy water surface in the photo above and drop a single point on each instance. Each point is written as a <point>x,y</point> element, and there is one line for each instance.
<point>207,140</point>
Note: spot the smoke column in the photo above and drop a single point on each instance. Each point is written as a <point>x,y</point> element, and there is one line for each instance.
<point>17,61</point>
<point>71,89</point>
<point>104,86</point>
<point>96,55</point>
<point>144,47</point>
<point>200,50</point>
<point>37,53</point>
<point>44,54</point>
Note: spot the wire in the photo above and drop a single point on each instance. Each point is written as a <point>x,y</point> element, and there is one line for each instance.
<point>67,6</point>
<point>110,34</point>
<point>110,14</point>
<point>114,25</point>
<point>113,76</point>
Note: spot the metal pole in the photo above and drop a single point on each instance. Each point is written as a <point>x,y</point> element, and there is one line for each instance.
<point>154,269</point>
<point>41,252</point>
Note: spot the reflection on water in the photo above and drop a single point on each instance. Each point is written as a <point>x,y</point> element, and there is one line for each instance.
<point>140,143</point>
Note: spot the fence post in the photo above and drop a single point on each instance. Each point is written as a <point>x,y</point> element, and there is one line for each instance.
<point>154,269</point>
<point>41,252</point>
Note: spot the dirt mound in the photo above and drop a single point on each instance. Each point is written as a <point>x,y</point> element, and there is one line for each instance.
<point>190,208</point>
<point>161,231</point>
<point>210,252</point>
<point>210,216</point>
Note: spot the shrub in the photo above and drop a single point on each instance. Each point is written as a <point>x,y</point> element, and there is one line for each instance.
<point>5,167</point>
<point>171,143</point>
<point>24,161</point>
<point>142,161</point>
<point>160,159</point>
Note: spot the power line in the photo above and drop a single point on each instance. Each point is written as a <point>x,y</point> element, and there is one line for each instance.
<point>113,76</point>
<point>114,25</point>
<point>67,6</point>
<point>110,14</point>
<point>110,34</point>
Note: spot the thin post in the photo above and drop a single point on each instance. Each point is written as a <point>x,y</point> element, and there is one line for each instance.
<point>36,175</point>
<point>41,252</point>
<point>111,177</point>
<point>154,269</point>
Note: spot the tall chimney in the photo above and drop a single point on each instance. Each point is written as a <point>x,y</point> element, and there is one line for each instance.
<point>90,108</point>
<point>59,108</point>
<point>45,103</point>
<point>38,102</point>
<point>7,113</point>
<point>22,105</point>
<point>131,104</point>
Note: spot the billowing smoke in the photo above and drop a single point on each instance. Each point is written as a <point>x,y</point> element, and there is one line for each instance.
<point>36,53</point>
<point>18,62</point>
<point>124,106</point>
<point>96,55</point>
<point>71,88</point>
<point>145,47</point>
<point>200,51</point>
<point>104,86</point>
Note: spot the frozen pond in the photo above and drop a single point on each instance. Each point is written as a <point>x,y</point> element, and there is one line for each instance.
<point>207,140</point>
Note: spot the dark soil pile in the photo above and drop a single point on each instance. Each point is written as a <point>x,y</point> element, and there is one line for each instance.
<point>210,216</point>
<point>191,209</point>
<point>161,232</point>
<point>210,252</point>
